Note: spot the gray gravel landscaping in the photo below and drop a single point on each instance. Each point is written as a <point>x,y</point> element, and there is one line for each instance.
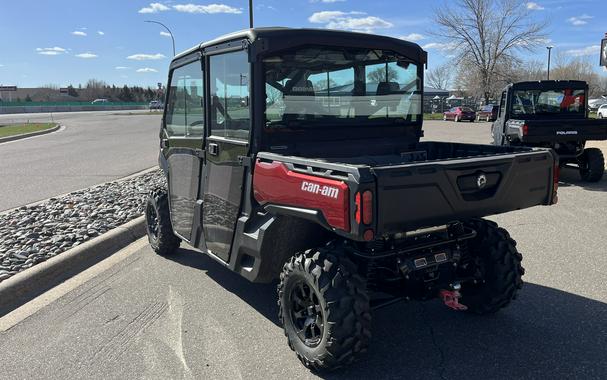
<point>32,234</point>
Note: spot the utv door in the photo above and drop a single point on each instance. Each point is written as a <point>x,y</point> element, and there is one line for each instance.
<point>182,143</point>
<point>226,146</point>
<point>498,128</point>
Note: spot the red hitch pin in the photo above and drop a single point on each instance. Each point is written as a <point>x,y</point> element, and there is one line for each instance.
<point>451,298</point>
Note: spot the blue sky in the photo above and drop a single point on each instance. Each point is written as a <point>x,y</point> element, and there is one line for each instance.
<point>71,41</point>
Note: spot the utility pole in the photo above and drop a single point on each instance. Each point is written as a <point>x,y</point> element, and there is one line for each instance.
<point>251,14</point>
<point>168,30</point>
<point>549,50</point>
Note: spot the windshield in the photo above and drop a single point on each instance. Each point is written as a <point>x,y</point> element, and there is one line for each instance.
<point>538,102</point>
<point>315,86</point>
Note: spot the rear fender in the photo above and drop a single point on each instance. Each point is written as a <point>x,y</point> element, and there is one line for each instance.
<point>282,190</point>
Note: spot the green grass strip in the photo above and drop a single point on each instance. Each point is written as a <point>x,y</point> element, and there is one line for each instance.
<point>20,129</point>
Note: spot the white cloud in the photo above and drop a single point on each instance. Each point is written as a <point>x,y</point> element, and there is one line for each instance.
<point>147,70</point>
<point>325,16</point>
<point>121,68</point>
<point>439,46</point>
<point>588,50</point>
<point>534,6</point>
<point>145,57</point>
<point>345,20</point>
<point>1,65</point>
<point>165,34</point>
<point>412,37</point>
<point>101,33</point>
<point>79,33</point>
<point>327,1</point>
<point>210,8</point>
<point>154,8</point>
<point>51,51</point>
<point>579,20</point>
<point>86,55</point>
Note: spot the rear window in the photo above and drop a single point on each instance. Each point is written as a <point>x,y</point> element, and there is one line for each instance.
<point>546,102</point>
<point>467,109</point>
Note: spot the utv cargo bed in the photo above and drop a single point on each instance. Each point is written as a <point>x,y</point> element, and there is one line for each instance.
<point>435,181</point>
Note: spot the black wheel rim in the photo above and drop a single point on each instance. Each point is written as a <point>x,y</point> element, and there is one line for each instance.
<point>306,314</point>
<point>152,220</point>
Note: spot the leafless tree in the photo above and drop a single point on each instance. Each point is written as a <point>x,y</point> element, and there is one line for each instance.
<point>579,68</point>
<point>486,34</point>
<point>383,74</point>
<point>440,76</point>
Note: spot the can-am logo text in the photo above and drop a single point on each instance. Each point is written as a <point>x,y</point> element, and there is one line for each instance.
<point>327,191</point>
<point>566,132</point>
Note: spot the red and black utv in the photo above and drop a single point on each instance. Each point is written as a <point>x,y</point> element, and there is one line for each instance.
<point>295,155</point>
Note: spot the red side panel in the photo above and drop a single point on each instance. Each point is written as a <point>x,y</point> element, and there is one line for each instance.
<point>274,183</point>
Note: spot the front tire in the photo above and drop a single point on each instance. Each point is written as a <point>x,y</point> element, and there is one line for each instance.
<point>592,165</point>
<point>158,223</point>
<point>497,263</point>
<point>456,119</point>
<point>324,308</point>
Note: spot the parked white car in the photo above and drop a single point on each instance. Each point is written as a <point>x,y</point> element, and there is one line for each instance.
<point>601,113</point>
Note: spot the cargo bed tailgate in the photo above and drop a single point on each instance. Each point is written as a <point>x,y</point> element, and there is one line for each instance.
<point>537,131</point>
<point>417,195</point>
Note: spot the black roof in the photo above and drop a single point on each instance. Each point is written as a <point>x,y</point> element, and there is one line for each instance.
<point>282,37</point>
<point>547,84</point>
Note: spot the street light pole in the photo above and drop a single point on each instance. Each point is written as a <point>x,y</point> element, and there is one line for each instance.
<point>251,14</point>
<point>168,30</point>
<point>549,50</point>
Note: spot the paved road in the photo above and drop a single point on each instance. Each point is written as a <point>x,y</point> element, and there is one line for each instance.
<point>188,317</point>
<point>94,147</point>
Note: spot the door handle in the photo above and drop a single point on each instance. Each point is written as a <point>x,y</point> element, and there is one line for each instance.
<point>164,143</point>
<point>213,149</point>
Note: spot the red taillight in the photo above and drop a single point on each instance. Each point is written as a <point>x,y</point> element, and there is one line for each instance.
<point>368,235</point>
<point>525,129</point>
<point>364,207</point>
<point>358,207</point>
<point>367,207</point>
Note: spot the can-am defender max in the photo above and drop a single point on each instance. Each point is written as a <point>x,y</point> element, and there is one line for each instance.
<point>296,155</point>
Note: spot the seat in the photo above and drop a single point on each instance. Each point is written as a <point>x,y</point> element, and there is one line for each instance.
<point>388,94</point>
<point>299,100</point>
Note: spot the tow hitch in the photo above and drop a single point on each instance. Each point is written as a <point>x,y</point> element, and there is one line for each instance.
<point>451,298</point>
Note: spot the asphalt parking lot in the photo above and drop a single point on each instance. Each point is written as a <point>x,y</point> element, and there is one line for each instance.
<point>92,148</point>
<point>188,317</point>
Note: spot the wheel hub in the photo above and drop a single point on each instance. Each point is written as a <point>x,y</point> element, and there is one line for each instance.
<point>306,314</point>
<point>152,220</point>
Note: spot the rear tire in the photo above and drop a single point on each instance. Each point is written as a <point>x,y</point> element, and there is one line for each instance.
<point>456,119</point>
<point>324,308</point>
<point>592,165</point>
<point>444,117</point>
<point>158,223</point>
<point>498,263</point>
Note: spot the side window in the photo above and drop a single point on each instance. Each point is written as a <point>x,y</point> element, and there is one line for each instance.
<point>185,110</point>
<point>229,82</point>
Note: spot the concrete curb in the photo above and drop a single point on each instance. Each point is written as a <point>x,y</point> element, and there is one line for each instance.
<point>26,285</point>
<point>26,135</point>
